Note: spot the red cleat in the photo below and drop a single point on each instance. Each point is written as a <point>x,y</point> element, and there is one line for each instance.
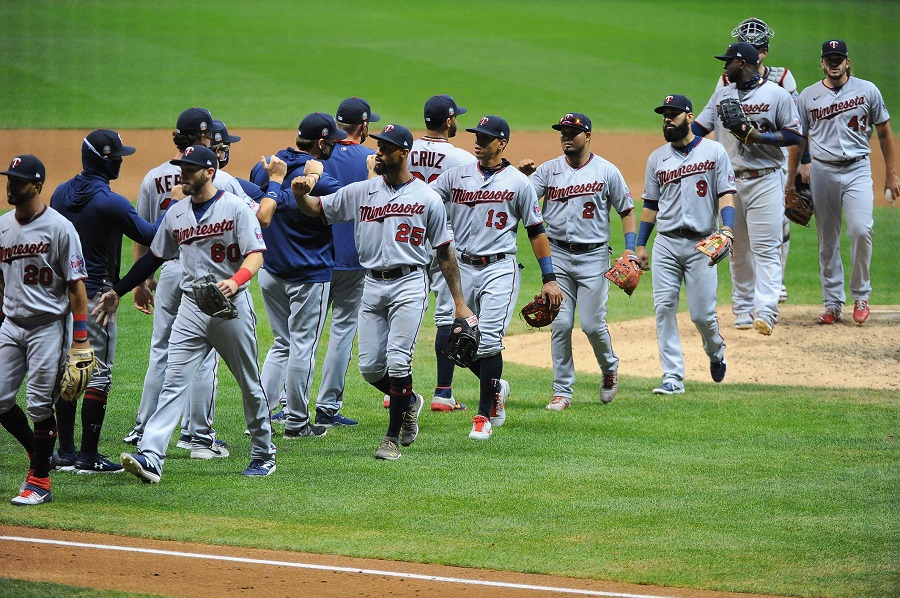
<point>860,311</point>
<point>830,316</point>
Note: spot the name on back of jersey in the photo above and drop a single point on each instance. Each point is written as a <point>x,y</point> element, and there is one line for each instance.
<point>165,183</point>
<point>426,158</point>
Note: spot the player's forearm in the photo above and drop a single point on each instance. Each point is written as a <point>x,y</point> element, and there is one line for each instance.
<point>793,161</point>
<point>450,270</point>
<point>138,251</point>
<point>886,141</point>
<point>252,262</point>
<point>726,211</point>
<point>782,138</point>
<point>629,228</point>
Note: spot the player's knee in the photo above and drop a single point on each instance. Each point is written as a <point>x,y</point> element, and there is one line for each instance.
<point>372,376</point>
<point>594,328</point>
<point>858,230</point>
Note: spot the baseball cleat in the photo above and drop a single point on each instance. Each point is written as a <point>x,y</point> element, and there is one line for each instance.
<point>743,321</point>
<point>140,466</point>
<point>783,296</point>
<point>830,315</point>
<point>132,437</point>
<point>409,430</point>
<point>388,450</point>
<point>610,387</point>
<point>184,442</point>
<point>280,417</point>
<point>667,388</point>
<point>209,452</point>
<point>446,404</point>
<point>763,326</point>
<point>260,467</point>
<point>337,419</point>
<point>33,493</point>
<point>66,461</point>
<point>307,431</point>
<point>97,464</point>
<point>387,401</point>
<point>717,370</point>
<point>481,428</point>
<point>860,311</point>
<point>558,403</point>
<point>498,410</point>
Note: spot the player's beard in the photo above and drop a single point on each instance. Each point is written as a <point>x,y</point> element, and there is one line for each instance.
<point>676,133</point>
<point>385,168</point>
<point>193,187</point>
<point>452,131</point>
<point>22,197</point>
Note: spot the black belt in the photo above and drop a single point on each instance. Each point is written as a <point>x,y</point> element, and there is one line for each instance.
<point>575,247</point>
<point>746,175</point>
<point>683,233</point>
<point>392,273</point>
<point>481,260</point>
<point>843,162</point>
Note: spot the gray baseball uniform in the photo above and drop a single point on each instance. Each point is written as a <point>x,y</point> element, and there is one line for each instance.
<point>216,244</point>
<point>687,186</point>
<point>838,124</point>
<point>759,201</point>
<point>577,206</point>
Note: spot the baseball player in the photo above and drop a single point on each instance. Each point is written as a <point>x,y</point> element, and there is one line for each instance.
<point>759,164</point>
<point>394,215</point>
<point>838,115</point>
<point>756,33</point>
<point>580,189</point>
<point>486,201</point>
<point>346,165</point>
<point>41,274</point>
<point>296,277</point>
<point>101,217</point>
<point>432,155</point>
<point>215,232</point>
<point>687,180</point>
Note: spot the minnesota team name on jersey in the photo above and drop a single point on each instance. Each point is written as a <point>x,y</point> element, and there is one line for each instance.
<point>186,236</point>
<point>22,251</point>
<point>685,170</point>
<point>462,196</point>
<point>379,213</point>
<point>426,158</point>
<point>750,109</point>
<point>836,108</point>
<point>567,193</point>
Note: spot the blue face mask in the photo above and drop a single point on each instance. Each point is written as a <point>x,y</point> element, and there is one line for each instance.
<point>94,163</point>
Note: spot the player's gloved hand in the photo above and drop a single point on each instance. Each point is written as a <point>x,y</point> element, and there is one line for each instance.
<point>105,312</point>
<point>526,166</point>
<point>717,246</point>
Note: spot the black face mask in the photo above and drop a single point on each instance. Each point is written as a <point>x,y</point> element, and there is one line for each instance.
<point>94,163</point>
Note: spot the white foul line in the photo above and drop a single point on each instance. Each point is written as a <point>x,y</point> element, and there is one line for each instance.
<point>234,559</point>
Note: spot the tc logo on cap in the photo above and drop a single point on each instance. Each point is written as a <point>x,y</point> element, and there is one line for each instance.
<point>483,121</point>
<point>669,99</point>
<point>833,44</point>
<point>188,151</point>
<point>388,129</point>
<point>15,162</point>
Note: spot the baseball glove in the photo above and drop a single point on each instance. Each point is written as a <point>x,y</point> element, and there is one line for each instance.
<point>539,313</point>
<point>733,118</point>
<point>77,373</point>
<point>625,272</point>
<point>210,299</point>
<point>462,345</point>
<point>717,246</point>
<point>798,205</point>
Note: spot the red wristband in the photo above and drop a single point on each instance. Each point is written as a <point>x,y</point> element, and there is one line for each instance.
<point>242,276</point>
<point>79,327</point>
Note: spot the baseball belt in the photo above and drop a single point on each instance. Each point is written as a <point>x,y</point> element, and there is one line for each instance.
<point>393,273</point>
<point>746,175</point>
<point>575,247</point>
<point>481,260</point>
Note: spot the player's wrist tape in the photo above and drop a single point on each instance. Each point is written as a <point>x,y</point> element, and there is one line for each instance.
<point>728,216</point>
<point>629,241</point>
<point>768,139</point>
<point>549,277</point>
<point>546,264</point>
<point>79,327</point>
<point>644,233</point>
<point>242,276</point>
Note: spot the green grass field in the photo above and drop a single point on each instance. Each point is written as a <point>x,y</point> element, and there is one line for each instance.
<point>87,64</point>
<point>739,487</point>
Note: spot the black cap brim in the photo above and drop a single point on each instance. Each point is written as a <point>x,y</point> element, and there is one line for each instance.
<point>126,150</point>
<point>387,140</point>
<point>19,175</point>
<point>485,132</point>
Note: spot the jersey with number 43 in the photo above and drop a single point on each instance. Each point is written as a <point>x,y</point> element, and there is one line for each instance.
<point>485,211</point>
<point>38,258</point>
<point>688,185</point>
<point>577,201</point>
<point>391,225</point>
<point>216,244</point>
<point>839,122</point>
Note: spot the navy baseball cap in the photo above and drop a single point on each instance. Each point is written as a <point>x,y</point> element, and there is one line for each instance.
<point>740,51</point>
<point>356,111</point>
<point>678,102</point>
<point>28,167</point>
<point>319,125</point>
<point>396,134</point>
<point>194,121</point>
<point>106,142</point>
<point>576,120</point>
<point>494,126</point>
<point>198,155</point>
<point>441,107</point>
<point>835,46</point>
<point>220,133</point>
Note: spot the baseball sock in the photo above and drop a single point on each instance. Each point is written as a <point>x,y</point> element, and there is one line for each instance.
<point>445,367</point>
<point>92,413</point>
<point>490,372</point>
<point>16,423</point>
<point>384,385</point>
<point>44,440</point>
<point>401,395</point>
<point>65,422</point>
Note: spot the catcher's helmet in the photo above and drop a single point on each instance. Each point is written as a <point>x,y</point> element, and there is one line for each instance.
<point>753,31</point>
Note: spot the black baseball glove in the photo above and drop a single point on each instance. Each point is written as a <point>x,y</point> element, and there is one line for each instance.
<point>462,345</point>
<point>210,299</point>
<point>798,204</point>
<point>733,118</point>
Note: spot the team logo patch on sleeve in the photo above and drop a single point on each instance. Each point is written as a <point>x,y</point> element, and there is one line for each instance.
<point>76,263</point>
<point>536,209</point>
<point>258,233</point>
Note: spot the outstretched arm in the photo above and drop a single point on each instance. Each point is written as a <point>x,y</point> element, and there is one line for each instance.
<point>891,180</point>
